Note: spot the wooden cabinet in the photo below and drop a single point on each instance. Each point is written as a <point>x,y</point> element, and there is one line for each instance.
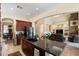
<point>20,25</point>
<point>27,48</point>
<point>19,37</point>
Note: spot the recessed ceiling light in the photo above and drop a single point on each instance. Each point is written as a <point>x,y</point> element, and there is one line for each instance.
<point>37,9</point>
<point>11,8</point>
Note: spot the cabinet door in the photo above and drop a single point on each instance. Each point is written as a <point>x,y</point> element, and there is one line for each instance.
<point>27,48</point>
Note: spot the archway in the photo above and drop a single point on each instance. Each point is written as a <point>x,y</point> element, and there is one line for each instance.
<point>8,30</point>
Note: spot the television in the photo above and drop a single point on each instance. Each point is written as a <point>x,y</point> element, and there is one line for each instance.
<point>59,31</point>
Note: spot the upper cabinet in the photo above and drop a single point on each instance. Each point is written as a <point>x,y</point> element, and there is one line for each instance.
<point>20,25</point>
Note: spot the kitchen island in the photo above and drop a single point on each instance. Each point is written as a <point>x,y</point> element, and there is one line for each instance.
<point>52,47</point>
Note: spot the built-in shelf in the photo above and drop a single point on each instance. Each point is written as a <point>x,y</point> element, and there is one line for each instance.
<point>74,28</point>
<point>73,24</point>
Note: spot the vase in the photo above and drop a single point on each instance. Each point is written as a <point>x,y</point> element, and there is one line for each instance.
<point>46,43</point>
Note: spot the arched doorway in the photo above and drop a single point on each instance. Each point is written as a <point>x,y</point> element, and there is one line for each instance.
<point>7,30</point>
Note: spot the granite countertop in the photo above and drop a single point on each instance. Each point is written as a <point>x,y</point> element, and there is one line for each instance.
<point>52,47</point>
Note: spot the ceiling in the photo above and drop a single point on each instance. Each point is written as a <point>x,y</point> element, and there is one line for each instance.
<point>57,19</point>
<point>26,10</point>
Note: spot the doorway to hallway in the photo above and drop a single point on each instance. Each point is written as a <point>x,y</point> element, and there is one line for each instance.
<point>7,33</point>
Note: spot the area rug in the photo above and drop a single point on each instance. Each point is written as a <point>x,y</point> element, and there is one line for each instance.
<point>15,54</point>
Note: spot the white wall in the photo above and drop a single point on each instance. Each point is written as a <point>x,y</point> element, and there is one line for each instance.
<point>38,24</point>
<point>54,22</point>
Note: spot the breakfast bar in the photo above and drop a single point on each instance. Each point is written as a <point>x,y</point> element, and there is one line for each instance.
<point>52,47</point>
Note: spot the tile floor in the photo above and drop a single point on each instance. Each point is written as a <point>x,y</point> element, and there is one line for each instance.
<point>9,48</point>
